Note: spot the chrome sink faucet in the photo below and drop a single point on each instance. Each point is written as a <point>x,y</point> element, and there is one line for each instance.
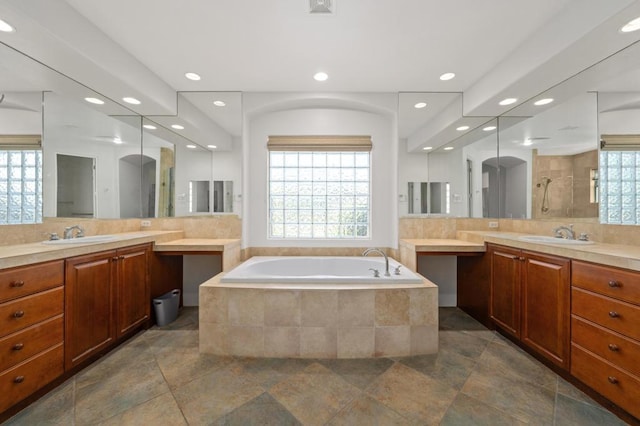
<point>68,232</point>
<point>386,259</point>
<point>568,234</point>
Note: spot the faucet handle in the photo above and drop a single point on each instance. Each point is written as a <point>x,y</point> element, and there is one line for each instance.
<point>376,273</point>
<point>396,270</point>
<point>80,232</point>
<point>583,236</point>
<point>53,236</point>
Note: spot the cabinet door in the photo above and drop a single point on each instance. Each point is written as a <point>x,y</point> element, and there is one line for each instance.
<point>505,288</point>
<point>545,306</point>
<point>133,299</point>
<point>89,306</point>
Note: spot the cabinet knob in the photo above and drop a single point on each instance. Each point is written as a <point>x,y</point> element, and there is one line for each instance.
<point>612,380</point>
<point>614,314</point>
<point>522,259</point>
<point>120,257</point>
<point>18,346</point>
<point>17,283</point>
<point>114,258</point>
<point>18,379</point>
<point>614,283</point>
<point>613,348</point>
<point>18,314</point>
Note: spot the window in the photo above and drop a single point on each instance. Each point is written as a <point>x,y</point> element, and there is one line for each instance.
<point>319,188</point>
<point>20,186</point>
<point>619,185</point>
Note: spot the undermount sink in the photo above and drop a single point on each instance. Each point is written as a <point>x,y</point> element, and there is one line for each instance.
<point>82,240</point>
<point>552,240</point>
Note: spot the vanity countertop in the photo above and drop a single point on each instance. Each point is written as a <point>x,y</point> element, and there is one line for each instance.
<point>196,245</point>
<point>25,254</point>
<point>424,245</point>
<point>620,255</point>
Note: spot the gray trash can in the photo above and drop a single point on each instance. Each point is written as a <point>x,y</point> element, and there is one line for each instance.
<point>166,307</point>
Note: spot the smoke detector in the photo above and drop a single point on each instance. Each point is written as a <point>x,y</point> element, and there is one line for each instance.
<point>322,7</point>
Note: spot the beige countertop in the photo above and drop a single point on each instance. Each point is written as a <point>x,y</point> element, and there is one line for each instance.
<point>25,254</point>
<point>623,256</point>
<point>443,245</point>
<point>196,244</point>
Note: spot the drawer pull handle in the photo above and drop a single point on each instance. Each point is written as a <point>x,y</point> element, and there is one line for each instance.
<point>614,283</point>
<point>17,284</point>
<point>18,314</point>
<point>612,380</point>
<point>18,346</point>
<point>614,314</point>
<point>613,348</point>
<point>18,379</point>
<point>114,258</point>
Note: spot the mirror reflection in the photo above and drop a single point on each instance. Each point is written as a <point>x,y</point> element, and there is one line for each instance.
<point>222,196</point>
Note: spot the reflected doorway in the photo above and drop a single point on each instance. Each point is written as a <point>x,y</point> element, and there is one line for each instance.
<point>75,195</point>
<point>137,186</point>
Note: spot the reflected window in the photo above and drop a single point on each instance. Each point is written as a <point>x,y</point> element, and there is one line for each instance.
<point>619,184</point>
<point>20,186</point>
<point>319,195</point>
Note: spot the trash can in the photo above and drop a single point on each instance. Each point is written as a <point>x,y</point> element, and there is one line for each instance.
<point>166,307</point>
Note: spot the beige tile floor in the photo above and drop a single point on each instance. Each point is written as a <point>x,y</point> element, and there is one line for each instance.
<point>159,378</point>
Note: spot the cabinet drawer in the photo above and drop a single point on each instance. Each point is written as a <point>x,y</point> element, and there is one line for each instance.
<point>614,282</point>
<point>26,343</point>
<point>615,348</point>
<point>615,384</point>
<point>18,282</point>
<point>29,310</point>
<point>610,313</point>
<point>24,379</point>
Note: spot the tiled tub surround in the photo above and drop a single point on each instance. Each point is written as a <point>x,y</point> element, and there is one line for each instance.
<point>300,320</point>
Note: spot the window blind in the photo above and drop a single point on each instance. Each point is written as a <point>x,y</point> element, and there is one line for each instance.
<point>319,143</point>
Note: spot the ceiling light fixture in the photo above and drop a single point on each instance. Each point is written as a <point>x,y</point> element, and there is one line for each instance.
<point>94,101</point>
<point>177,127</point>
<point>508,101</point>
<point>5,27</point>
<point>631,26</point>
<point>449,148</point>
<point>447,76</point>
<point>320,76</point>
<point>427,148</point>
<point>462,128</point>
<point>219,103</point>
<point>528,142</point>
<point>544,101</point>
<point>489,128</point>
<point>149,126</point>
<point>191,146</point>
<point>212,146</point>
<point>117,141</point>
<point>132,101</point>
<point>420,105</point>
<point>192,76</point>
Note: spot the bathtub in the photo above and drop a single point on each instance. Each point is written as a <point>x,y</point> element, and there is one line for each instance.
<point>319,270</point>
<point>318,307</point>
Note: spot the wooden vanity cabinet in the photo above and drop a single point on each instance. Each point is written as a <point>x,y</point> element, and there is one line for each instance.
<point>605,336</point>
<point>107,296</point>
<point>530,299</point>
<point>31,329</point>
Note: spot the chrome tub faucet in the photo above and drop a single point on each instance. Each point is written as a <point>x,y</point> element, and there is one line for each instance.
<point>386,259</point>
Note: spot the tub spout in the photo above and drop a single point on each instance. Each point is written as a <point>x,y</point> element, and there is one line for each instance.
<point>386,259</point>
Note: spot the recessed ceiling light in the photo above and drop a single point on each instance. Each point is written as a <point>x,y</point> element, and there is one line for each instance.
<point>631,26</point>
<point>527,142</point>
<point>427,148</point>
<point>191,146</point>
<point>462,128</point>
<point>117,141</point>
<point>132,101</point>
<point>219,103</point>
<point>544,101</point>
<point>320,76</point>
<point>449,148</point>
<point>211,146</point>
<point>5,27</point>
<point>420,105</point>
<point>177,126</point>
<point>489,128</point>
<point>94,101</point>
<point>508,101</point>
<point>149,126</point>
<point>447,76</point>
<point>192,76</point>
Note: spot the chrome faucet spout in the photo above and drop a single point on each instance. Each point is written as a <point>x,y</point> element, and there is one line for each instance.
<point>569,233</point>
<point>386,259</point>
<point>68,232</point>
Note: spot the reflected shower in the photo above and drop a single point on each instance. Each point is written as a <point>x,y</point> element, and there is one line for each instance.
<point>544,183</point>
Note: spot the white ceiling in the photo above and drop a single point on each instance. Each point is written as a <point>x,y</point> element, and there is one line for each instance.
<point>497,48</point>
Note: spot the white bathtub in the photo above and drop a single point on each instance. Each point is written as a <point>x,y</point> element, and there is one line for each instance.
<point>318,270</point>
<point>318,307</point>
